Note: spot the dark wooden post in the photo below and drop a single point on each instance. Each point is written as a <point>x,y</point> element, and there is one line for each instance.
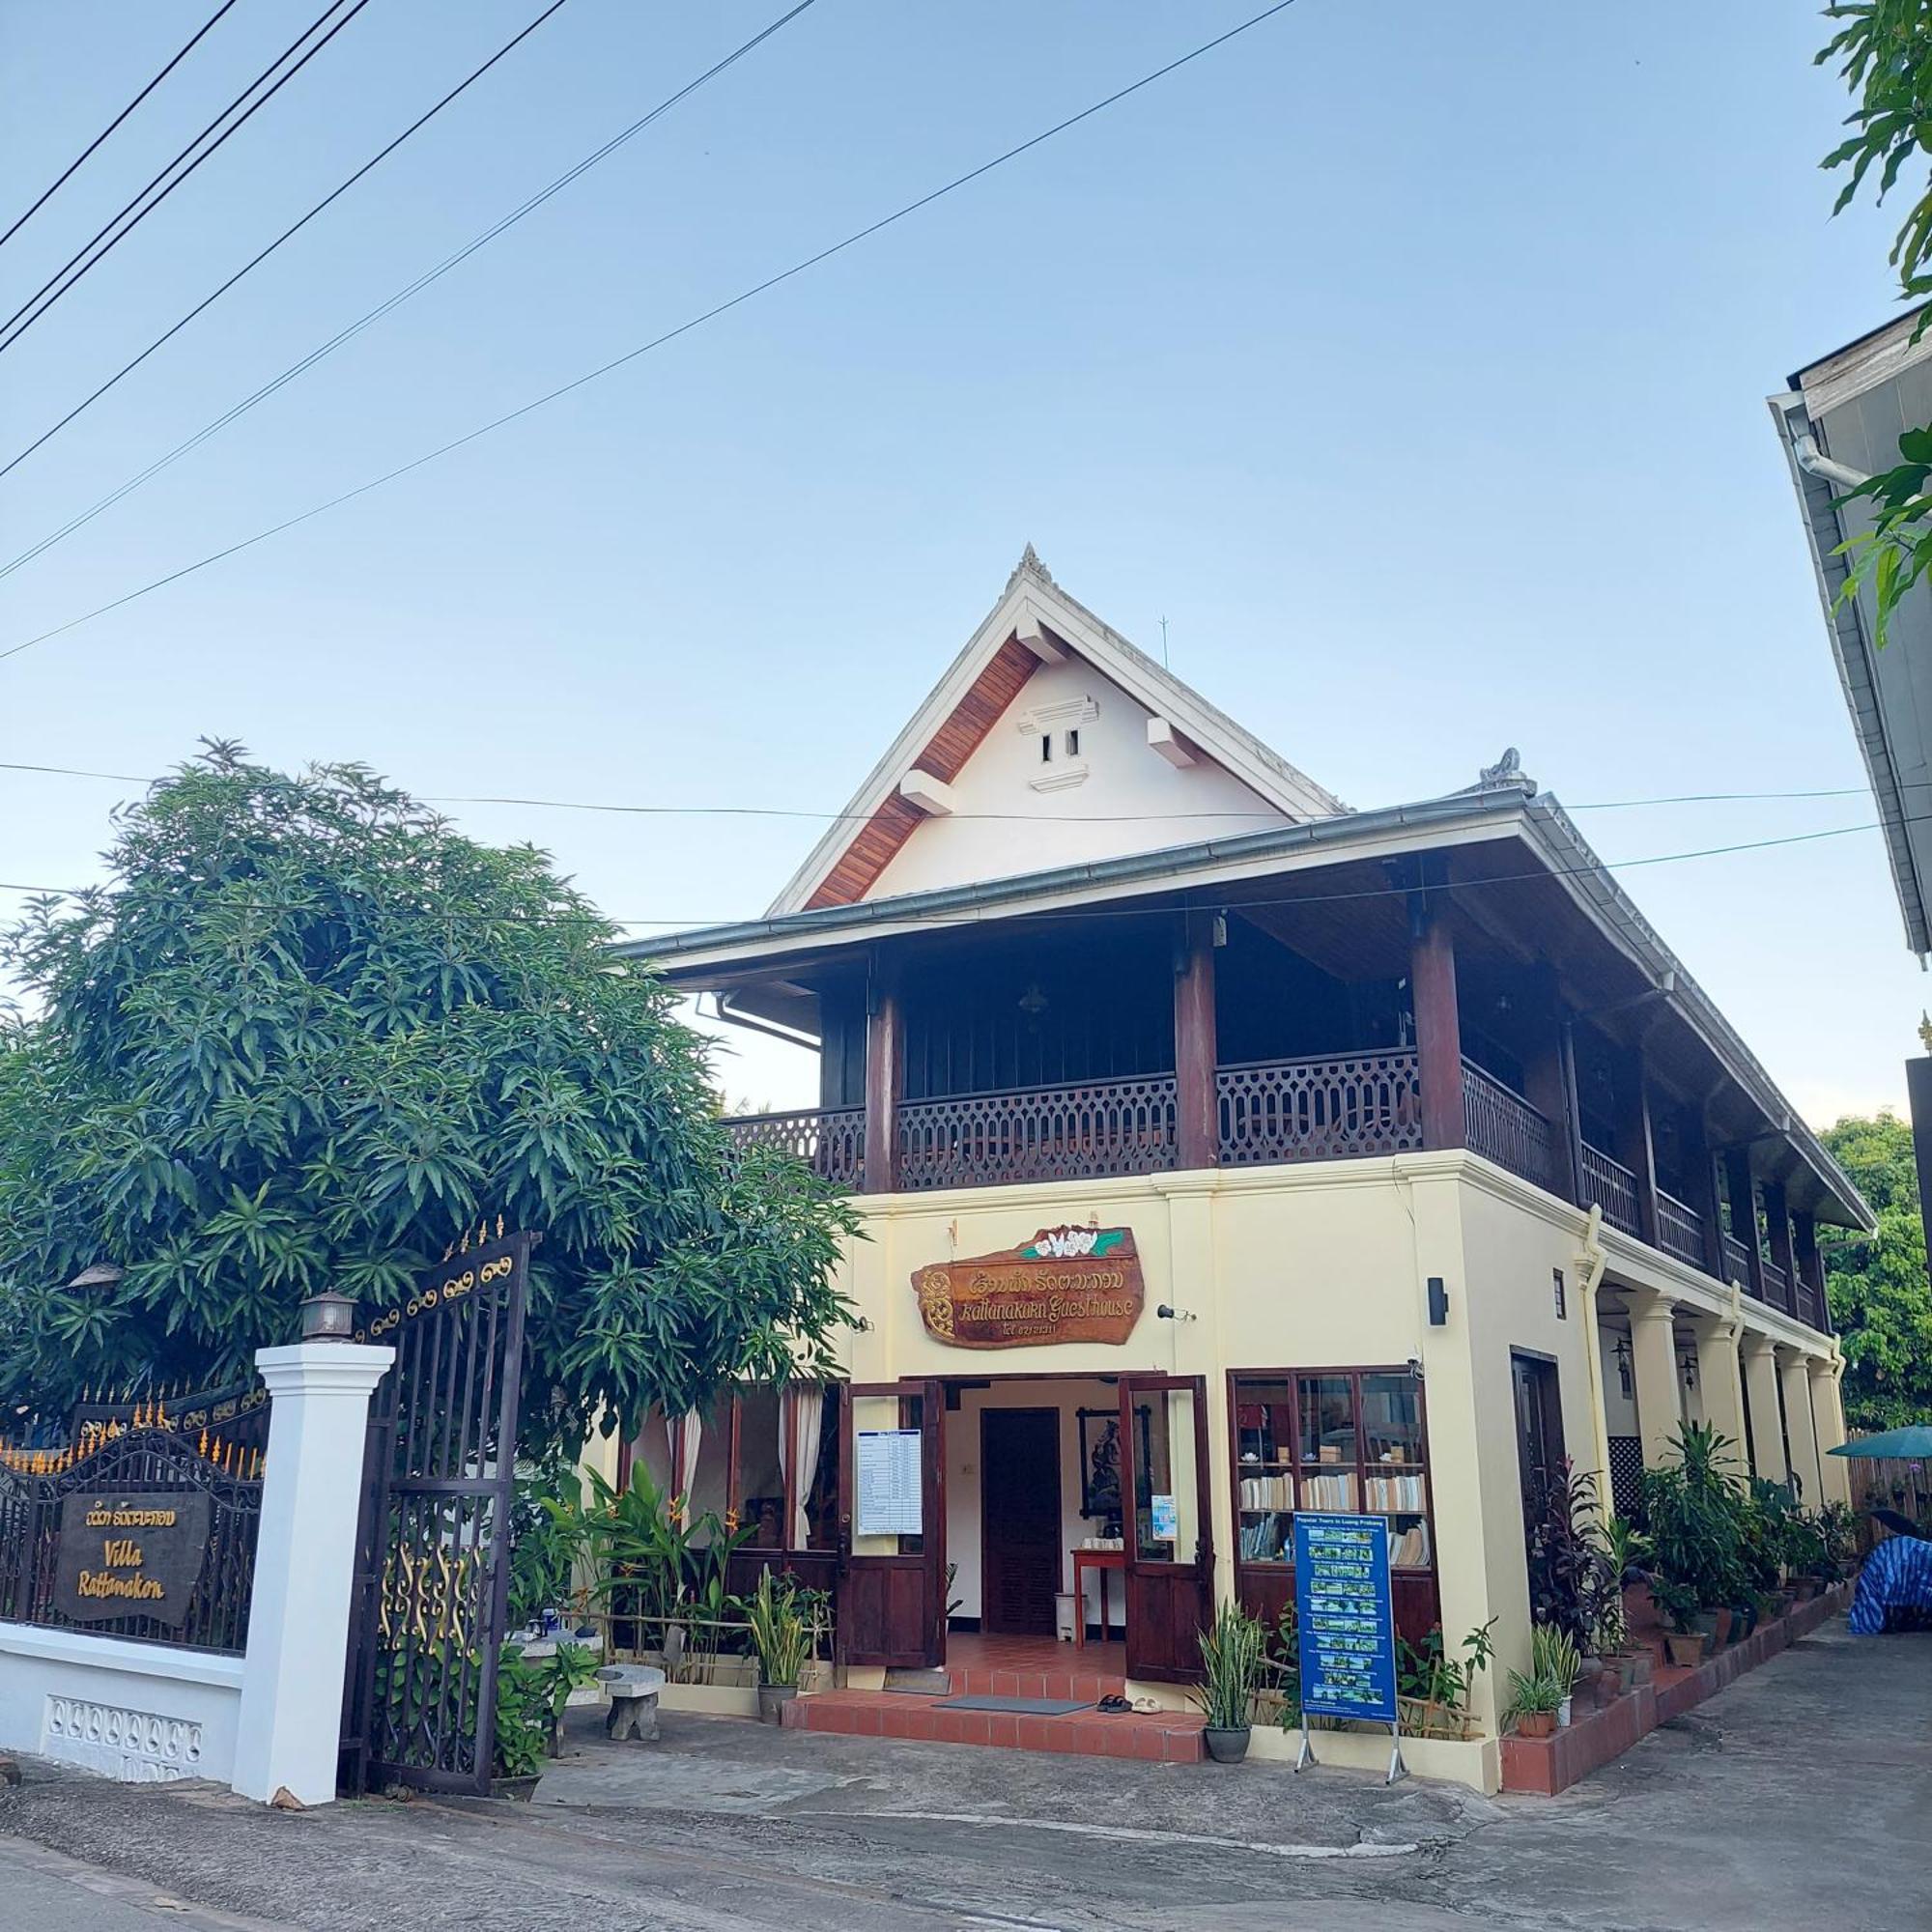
<point>1743,1194</point>
<point>1811,1265</point>
<point>1707,1196</point>
<point>1635,1147</point>
<point>1778,1214</point>
<point>1198,1112</point>
<point>1550,1080</point>
<point>884,1053</point>
<point>1439,1030</point>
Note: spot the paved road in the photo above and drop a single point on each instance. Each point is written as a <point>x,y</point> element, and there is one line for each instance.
<point>1795,1798</point>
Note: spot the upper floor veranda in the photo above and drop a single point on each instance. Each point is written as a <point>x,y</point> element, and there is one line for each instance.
<point>1463,974</point>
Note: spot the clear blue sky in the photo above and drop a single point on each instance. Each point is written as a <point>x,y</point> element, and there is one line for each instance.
<point>1411,359</point>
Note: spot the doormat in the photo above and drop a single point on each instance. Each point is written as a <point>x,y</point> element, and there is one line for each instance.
<point>1032,1707</point>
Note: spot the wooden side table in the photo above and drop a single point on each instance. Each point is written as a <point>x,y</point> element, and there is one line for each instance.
<point>1101,1560</point>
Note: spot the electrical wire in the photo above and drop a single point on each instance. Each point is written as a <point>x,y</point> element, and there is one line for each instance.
<point>294,228</point>
<point>630,355</point>
<point>299,368</point>
<point>66,174</point>
<point>55,287</point>
<point>981,917</point>
<point>1018,817</point>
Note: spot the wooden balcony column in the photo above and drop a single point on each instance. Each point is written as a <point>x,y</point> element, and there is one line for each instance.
<point>1197,1108</point>
<point>1635,1147</point>
<point>1549,1081</point>
<point>1438,1029</point>
<point>1741,1192</point>
<point>1812,1265</point>
<point>1707,1196</point>
<point>885,1058</point>
<point>1777,1217</point>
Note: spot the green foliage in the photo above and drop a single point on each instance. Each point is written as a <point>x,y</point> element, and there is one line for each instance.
<point>1571,1583</point>
<point>307,1037</point>
<point>1231,1670</point>
<point>1880,1297</point>
<point>1693,1515</point>
<point>1553,1656</point>
<point>522,1725</point>
<point>546,1537</point>
<point>1439,1682</point>
<point>781,1630</point>
<point>1530,1696</point>
<point>1884,50</point>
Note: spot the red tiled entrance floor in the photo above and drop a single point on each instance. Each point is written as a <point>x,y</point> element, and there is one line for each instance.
<point>1166,1737</point>
<point>1032,1667</point>
<point>1013,1666</point>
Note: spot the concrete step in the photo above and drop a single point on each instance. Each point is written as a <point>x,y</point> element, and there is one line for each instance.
<point>1162,1737</point>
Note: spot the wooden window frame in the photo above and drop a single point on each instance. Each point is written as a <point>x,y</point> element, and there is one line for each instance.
<point>1293,1377</point>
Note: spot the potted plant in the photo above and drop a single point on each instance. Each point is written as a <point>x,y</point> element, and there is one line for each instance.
<point>1554,1660</point>
<point>1230,1666</point>
<point>1683,1641</point>
<point>1532,1706</point>
<point>782,1638</point>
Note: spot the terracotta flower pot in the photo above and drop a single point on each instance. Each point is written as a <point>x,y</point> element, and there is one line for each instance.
<point>1537,1724</point>
<point>1720,1629</point>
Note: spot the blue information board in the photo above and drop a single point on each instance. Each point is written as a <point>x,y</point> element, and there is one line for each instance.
<point>1346,1620</point>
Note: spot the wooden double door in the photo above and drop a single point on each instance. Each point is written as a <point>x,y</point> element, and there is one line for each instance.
<point>891,1553</point>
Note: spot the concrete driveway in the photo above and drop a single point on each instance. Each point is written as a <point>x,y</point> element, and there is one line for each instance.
<point>1796,1796</point>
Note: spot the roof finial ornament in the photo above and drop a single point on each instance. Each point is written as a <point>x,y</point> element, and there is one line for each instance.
<point>1507,772</point>
<point>1029,565</point>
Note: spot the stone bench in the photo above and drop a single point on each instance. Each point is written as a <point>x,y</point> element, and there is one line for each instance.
<point>634,1700</point>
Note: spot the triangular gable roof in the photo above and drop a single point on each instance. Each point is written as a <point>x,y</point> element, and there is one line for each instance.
<point>1033,622</point>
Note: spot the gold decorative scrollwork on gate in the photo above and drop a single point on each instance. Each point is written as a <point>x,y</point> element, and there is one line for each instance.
<point>426,1595</point>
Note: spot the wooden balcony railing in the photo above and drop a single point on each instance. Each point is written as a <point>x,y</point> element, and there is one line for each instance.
<point>1043,1133</point>
<point>1680,1229</point>
<point>1737,1261</point>
<point>1352,1104</point>
<point>831,1141</point>
<point>1777,1290</point>
<point>1614,1187</point>
<point>1504,1127</point>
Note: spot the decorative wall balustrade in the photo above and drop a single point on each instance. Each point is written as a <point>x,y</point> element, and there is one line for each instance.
<point>1503,1126</point>
<point>831,1141</point>
<point>1043,1133</point>
<point>1285,1110</point>
<point>1614,1187</point>
<point>1680,1230</point>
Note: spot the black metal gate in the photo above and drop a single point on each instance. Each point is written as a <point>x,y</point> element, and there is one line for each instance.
<point>431,1573</point>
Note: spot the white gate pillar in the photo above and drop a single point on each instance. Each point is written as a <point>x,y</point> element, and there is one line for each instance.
<point>291,1716</point>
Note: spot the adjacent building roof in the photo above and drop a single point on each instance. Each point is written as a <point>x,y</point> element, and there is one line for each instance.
<point>1840,420</point>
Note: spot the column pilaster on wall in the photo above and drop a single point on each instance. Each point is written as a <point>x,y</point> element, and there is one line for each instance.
<point>289,1729</point>
<point>1828,1416</point>
<point>884,1055</point>
<point>1767,1426</point>
<point>1721,1385</point>
<point>1653,1364</point>
<point>1795,1378</point>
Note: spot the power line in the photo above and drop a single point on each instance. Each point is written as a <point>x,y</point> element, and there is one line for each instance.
<point>48,193</point>
<point>666,922</point>
<point>307,362</point>
<point>669,335</point>
<point>1019,817</point>
<point>140,206</point>
<point>294,229</point>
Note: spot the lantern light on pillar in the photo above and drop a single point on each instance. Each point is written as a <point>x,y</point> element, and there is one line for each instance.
<point>327,1317</point>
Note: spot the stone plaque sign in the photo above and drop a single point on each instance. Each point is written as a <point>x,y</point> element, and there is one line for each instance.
<point>130,1555</point>
<point>1065,1285</point>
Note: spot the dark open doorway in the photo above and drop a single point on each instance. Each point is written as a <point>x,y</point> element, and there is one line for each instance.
<point>1539,1444</point>
<point>1020,1538</point>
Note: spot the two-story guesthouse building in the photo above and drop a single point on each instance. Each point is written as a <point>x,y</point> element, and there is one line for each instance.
<point>1223,1151</point>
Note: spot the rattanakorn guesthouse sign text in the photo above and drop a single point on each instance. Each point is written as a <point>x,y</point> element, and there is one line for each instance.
<point>1065,1285</point>
<point>135,1556</point>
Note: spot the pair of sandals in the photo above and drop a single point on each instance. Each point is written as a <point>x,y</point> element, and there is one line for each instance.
<point>1114,1704</point>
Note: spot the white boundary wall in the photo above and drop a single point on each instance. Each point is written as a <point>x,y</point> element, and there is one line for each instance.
<point>142,1712</point>
<point>146,1713</point>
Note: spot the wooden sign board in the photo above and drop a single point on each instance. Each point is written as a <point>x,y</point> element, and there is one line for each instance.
<point>130,1555</point>
<point>1065,1285</point>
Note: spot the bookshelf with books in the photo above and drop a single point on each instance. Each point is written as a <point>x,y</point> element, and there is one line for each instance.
<point>1341,1441</point>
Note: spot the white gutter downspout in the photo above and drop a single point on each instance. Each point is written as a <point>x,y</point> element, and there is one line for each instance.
<point>1591,1261</point>
<point>1814,462</point>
